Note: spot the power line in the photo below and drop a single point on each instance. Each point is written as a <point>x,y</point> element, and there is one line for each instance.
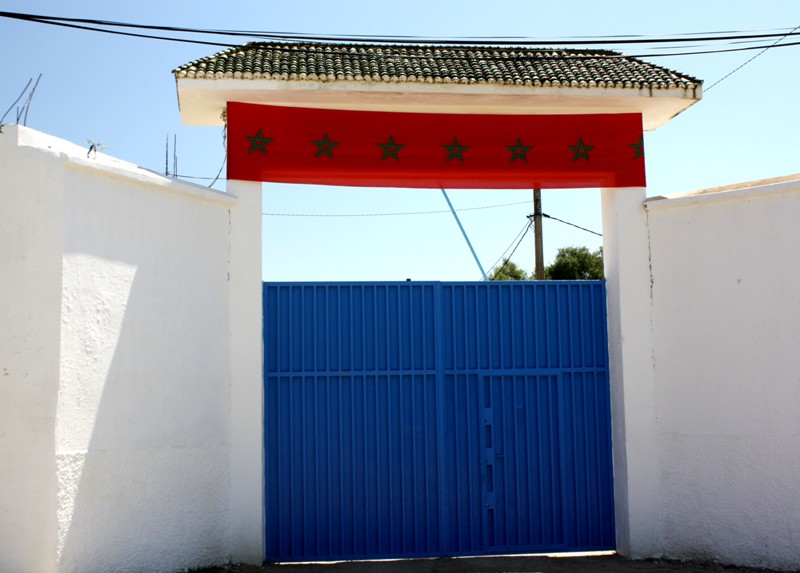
<point>82,23</point>
<point>118,33</point>
<point>729,74</point>
<point>390,214</point>
<point>508,259</point>
<point>704,52</point>
<point>571,224</point>
<point>521,232</point>
<point>225,156</point>
<point>499,40</point>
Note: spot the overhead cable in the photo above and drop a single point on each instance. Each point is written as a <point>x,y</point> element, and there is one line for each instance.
<point>733,71</point>
<point>518,237</point>
<point>91,24</point>
<point>508,259</point>
<point>501,40</point>
<point>391,214</point>
<point>571,224</point>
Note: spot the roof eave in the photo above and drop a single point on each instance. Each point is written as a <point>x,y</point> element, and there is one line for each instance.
<point>202,101</point>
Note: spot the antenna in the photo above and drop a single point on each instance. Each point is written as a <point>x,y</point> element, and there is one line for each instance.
<point>16,100</point>
<point>94,147</point>
<point>27,105</point>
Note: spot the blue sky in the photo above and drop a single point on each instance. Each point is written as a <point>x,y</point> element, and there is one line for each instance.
<point>120,91</point>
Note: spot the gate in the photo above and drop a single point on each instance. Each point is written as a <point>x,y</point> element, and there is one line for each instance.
<point>428,419</point>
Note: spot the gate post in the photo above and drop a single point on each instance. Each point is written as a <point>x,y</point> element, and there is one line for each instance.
<point>247,380</point>
<point>626,255</point>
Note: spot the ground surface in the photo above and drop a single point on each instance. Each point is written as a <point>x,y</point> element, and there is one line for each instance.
<point>605,564</point>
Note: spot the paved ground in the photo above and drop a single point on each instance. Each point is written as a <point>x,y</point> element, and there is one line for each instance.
<point>605,564</point>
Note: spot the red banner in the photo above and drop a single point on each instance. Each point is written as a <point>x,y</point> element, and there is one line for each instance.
<point>390,149</point>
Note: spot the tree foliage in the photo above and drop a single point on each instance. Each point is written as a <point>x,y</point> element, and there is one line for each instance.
<point>508,271</point>
<point>576,263</point>
<point>570,264</point>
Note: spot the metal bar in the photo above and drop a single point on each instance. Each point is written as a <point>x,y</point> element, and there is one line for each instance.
<point>440,441</point>
<point>463,232</point>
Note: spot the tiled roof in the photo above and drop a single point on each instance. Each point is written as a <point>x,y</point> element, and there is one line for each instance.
<point>434,64</point>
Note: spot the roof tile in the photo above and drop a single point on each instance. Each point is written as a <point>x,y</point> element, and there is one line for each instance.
<point>309,61</point>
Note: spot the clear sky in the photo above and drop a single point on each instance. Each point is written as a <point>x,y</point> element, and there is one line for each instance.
<point>120,91</point>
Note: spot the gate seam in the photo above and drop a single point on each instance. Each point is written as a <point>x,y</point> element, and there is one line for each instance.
<point>438,334</point>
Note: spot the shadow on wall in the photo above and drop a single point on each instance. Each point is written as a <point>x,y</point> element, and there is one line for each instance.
<point>143,424</point>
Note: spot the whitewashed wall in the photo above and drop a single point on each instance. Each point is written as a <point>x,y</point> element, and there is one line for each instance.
<point>704,311</point>
<point>30,324</point>
<point>726,317</point>
<point>130,368</point>
<point>115,363</point>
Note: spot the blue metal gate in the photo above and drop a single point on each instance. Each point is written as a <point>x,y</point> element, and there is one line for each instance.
<point>427,419</point>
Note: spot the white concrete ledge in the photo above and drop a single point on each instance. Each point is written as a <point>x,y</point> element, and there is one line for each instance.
<point>75,157</point>
<point>736,192</point>
<point>202,101</point>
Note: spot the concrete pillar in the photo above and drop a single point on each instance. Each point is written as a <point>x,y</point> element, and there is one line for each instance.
<point>31,247</point>
<point>626,255</point>
<point>247,385</point>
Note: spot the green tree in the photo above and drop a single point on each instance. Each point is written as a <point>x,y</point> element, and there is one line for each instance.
<point>508,271</point>
<point>576,263</point>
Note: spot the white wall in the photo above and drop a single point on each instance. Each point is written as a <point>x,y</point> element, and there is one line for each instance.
<point>130,368</point>
<point>726,314</point>
<point>115,363</point>
<point>626,260</point>
<point>30,306</point>
<point>247,393</point>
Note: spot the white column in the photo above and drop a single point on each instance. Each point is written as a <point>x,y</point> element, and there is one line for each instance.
<point>626,255</point>
<point>247,386</point>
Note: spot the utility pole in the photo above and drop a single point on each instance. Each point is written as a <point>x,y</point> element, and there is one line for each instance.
<point>537,233</point>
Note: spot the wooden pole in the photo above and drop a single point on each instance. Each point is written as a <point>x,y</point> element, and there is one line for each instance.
<point>537,233</point>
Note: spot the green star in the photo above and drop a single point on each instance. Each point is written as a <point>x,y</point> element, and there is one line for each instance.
<point>325,146</point>
<point>455,151</point>
<point>390,149</point>
<point>639,147</point>
<point>258,142</point>
<point>519,151</point>
<point>581,150</point>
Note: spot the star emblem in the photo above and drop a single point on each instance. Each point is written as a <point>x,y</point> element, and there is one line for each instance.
<point>325,146</point>
<point>519,151</point>
<point>390,149</point>
<point>455,151</point>
<point>639,147</point>
<point>581,150</point>
<point>258,142</point>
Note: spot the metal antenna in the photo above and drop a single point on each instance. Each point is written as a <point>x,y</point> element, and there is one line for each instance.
<point>16,100</point>
<point>27,106</point>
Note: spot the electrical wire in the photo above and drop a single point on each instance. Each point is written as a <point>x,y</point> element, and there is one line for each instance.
<point>290,37</point>
<point>391,214</point>
<point>118,33</point>
<point>221,167</point>
<point>511,244</point>
<point>182,176</point>
<point>225,156</point>
<point>572,224</point>
<point>729,74</point>
<point>502,40</point>
<point>508,259</point>
<point>705,52</point>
